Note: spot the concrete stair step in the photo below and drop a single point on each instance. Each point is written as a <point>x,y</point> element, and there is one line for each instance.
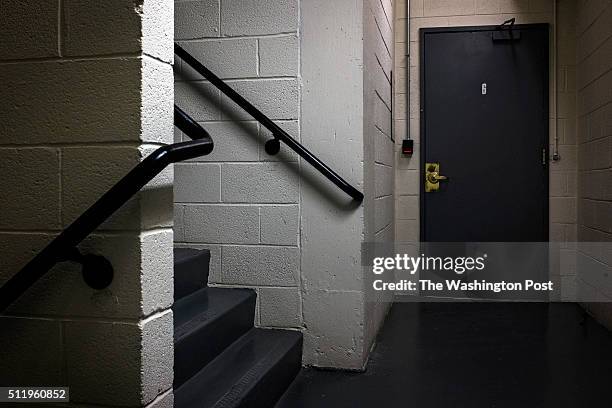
<point>253,372</point>
<point>205,323</point>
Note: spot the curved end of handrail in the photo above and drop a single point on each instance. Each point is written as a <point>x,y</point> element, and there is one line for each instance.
<point>95,215</point>
<point>178,152</point>
<point>189,126</point>
<point>191,149</point>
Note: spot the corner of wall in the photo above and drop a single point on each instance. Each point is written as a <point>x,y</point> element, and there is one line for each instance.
<point>88,95</point>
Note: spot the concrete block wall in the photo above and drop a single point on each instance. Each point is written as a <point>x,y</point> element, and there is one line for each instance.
<point>87,94</point>
<point>240,202</point>
<point>273,223</point>
<point>332,225</point>
<point>562,177</point>
<point>378,53</point>
<point>594,109</point>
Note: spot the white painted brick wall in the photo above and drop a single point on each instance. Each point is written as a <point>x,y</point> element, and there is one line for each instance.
<point>384,180</point>
<point>158,33</point>
<point>379,146</point>
<point>157,116</point>
<point>562,201</point>
<point>148,342</point>
<point>197,182</point>
<point>91,378</point>
<point>333,314</point>
<point>19,351</point>
<point>240,142</point>
<point>41,39</point>
<point>279,224</point>
<point>198,100</point>
<point>278,56</point>
<point>219,224</point>
<point>71,297</point>
<point>257,17</point>
<point>260,265</point>
<point>196,19</point>
<point>259,183</point>
<point>594,148</point>
<point>239,202</point>
<point>279,307</point>
<point>276,98</point>
<point>230,58</point>
<point>60,90</point>
<point>32,175</point>
<point>108,27</point>
<point>84,181</point>
<point>71,127</point>
<point>285,154</point>
<point>333,124</point>
<point>383,216</point>
<point>299,239</point>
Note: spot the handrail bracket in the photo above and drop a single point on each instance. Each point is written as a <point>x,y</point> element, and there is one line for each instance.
<point>97,271</point>
<point>272,146</point>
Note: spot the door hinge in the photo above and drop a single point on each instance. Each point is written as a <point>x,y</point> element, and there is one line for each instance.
<point>544,161</point>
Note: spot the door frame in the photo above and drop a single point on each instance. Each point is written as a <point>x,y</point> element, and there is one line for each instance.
<point>423,135</point>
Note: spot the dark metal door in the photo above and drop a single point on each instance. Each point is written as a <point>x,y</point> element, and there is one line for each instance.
<point>484,119</point>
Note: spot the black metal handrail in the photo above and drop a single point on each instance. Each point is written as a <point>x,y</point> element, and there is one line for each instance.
<point>272,146</point>
<point>97,271</point>
<point>189,126</point>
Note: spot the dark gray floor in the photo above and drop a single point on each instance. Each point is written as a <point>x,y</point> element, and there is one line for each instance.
<point>473,355</point>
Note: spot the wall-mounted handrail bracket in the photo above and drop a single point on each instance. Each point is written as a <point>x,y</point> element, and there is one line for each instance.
<point>97,271</point>
<point>272,146</point>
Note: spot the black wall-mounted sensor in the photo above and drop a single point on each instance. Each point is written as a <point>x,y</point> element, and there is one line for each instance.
<point>407,147</point>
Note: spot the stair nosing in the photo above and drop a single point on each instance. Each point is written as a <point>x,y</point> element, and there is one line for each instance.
<point>241,386</point>
<point>223,355</point>
<point>238,387</point>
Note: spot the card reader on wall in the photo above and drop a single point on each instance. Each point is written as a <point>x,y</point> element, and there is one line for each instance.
<point>407,147</point>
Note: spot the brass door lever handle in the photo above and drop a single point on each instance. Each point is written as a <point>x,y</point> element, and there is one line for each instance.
<point>433,177</point>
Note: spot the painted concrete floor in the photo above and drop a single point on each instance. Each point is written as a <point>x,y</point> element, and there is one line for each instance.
<point>473,355</point>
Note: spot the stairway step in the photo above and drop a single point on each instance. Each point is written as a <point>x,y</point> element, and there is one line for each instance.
<point>253,372</point>
<point>206,323</point>
<point>191,268</point>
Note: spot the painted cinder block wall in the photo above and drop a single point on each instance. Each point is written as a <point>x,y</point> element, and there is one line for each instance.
<point>273,223</point>
<point>562,178</point>
<point>332,227</point>
<point>239,202</point>
<point>87,92</point>
<point>594,109</point>
<point>379,204</point>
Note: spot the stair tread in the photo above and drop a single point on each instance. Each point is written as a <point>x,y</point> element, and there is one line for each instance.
<point>205,305</point>
<point>226,380</point>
